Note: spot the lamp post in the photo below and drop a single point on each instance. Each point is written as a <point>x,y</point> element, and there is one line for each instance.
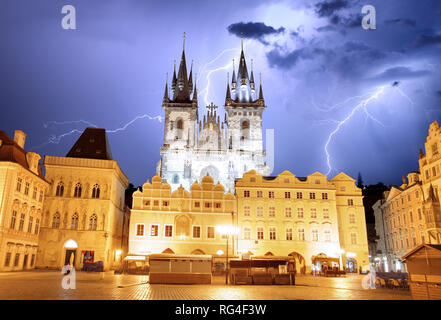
<point>227,231</point>
<point>341,252</point>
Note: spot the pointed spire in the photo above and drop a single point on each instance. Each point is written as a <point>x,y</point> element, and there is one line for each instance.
<point>241,40</point>
<point>233,80</point>
<point>182,92</point>
<point>252,75</point>
<point>228,94</point>
<point>165,99</point>
<point>190,78</point>
<point>421,154</point>
<point>174,80</point>
<point>183,42</point>
<point>260,89</point>
<point>195,92</point>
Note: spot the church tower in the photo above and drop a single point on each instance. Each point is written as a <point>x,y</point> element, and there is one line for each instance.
<point>181,118</point>
<point>244,114</point>
<point>223,149</point>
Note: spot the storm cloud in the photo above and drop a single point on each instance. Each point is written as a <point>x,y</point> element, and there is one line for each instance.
<point>253,30</point>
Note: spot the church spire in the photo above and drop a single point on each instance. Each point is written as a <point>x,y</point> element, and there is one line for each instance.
<point>190,78</point>
<point>228,94</point>
<point>260,89</point>
<point>195,92</point>
<point>183,90</point>
<point>165,99</point>
<point>174,80</point>
<point>233,79</point>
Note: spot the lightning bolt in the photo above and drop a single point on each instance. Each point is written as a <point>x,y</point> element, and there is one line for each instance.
<point>56,139</point>
<point>404,95</point>
<point>209,72</point>
<point>361,106</point>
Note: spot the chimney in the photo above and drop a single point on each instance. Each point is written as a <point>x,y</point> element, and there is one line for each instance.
<point>33,159</point>
<point>20,138</point>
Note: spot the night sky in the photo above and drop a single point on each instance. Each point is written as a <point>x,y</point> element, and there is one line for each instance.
<point>317,63</point>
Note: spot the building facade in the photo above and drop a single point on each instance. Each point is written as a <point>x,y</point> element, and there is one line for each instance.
<point>410,215</point>
<point>181,222</point>
<point>303,217</point>
<point>84,212</point>
<point>22,189</point>
<point>283,215</point>
<point>225,149</point>
<point>399,223</point>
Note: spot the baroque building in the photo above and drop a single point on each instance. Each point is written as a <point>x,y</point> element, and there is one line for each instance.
<point>304,217</point>
<point>84,212</point>
<point>225,148</point>
<point>410,215</point>
<point>284,215</point>
<point>22,189</point>
<point>182,222</point>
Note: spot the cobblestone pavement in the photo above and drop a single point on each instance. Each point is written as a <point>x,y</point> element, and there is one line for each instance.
<point>46,285</point>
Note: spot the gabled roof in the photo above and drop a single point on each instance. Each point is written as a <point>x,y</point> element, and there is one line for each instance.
<point>92,144</point>
<point>394,191</point>
<point>421,246</point>
<point>10,151</point>
<point>342,176</point>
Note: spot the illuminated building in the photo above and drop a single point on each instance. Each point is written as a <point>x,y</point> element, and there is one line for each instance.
<point>281,215</point>
<point>22,188</point>
<point>84,210</point>
<point>410,215</point>
<point>181,222</point>
<point>224,149</point>
<point>302,217</point>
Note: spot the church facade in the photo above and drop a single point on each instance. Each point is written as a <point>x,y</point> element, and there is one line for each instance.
<point>225,149</point>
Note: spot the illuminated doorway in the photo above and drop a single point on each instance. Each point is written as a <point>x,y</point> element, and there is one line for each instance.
<point>70,247</point>
<point>351,266</point>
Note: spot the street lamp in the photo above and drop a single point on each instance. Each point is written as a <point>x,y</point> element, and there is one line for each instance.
<point>227,230</point>
<point>341,252</point>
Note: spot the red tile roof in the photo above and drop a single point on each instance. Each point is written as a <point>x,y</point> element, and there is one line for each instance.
<point>10,151</point>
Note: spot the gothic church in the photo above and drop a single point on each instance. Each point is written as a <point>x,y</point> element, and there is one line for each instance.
<point>223,149</point>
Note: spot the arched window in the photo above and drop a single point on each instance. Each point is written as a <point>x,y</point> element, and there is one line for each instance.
<point>60,189</point>
<point>74,222</point>
<point>180,124</point>
<point>96,191</point>
<point>56,221</point>
<point>175,179</point>
<point>77,193</point>
<point>93,221</point>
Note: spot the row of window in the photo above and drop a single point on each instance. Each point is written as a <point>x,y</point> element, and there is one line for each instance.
<point>17,260</point>
<point>93,221</point>
<point>27,186</point>
<point>299,195</point>
<point>271,195</point>
<point>168,231</point>
<point>395,204</point>
<point>397,221</point>
<point>260,233</point>
<point>396,245</point>
<point>288,213</point>
<point>197,204</point>
<point>21,223</point>
<point>78,190</point>
<point>431,172</point>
